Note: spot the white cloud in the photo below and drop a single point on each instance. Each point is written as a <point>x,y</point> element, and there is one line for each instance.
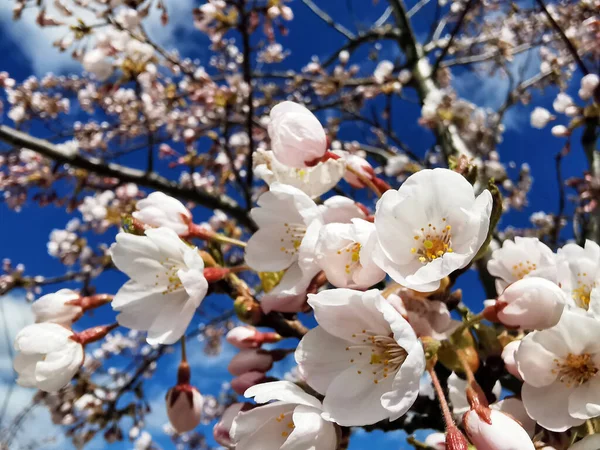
<point>35,43</point>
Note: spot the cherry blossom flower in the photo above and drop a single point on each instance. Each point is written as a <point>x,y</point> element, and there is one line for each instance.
<point>495,431</point>
<point>297,136</point>
<point>427,317</point>
<point>290,294</point>
<point>540,117</point>
<point>313,181</point>
<point>161,210</point>
<point>531,303</point>
<point>508,356</point>
<point>55,308</point>
<point>283,216</point>
<point>559,367</point>
<point>96,62</point>
<point>425,234</point>
<point>293,421</point>
<point>339,209</point>
<point>525,256</point>
<point>166,287</point>
<point>48,357</point>
<point>383,70</point>
<point>364,357</point>
<point>582,274</point>
<point>562,102</point>
<point>589,83</point>
<point>344,252</point>
<point>514,408</point>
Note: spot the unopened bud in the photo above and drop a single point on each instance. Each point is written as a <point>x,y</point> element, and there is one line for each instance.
<point>249,337</point>
<point>184,407</point>
<point>245,381</point>
<point>254,360</point>
<point>496,431</point>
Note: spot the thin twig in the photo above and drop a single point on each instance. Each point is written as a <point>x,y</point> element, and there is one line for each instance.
<point>328,20</point>
<point>564,37</point>
<point>453,34</point>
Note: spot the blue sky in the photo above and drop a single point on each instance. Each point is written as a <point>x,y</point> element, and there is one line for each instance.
<point>27,50</point>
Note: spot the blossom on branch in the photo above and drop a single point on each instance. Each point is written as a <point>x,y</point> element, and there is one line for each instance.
<point>430,227</point>
<point>166,283</point>
<point>48,356</point>
<point>363,356</point>
<point>297,136</point>
<point>560,368</point>
<point>293,421</point>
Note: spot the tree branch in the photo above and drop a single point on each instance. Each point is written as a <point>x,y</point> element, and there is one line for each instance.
<point>328,20</point>
<point>564,37</point>
<point>127,174</point>
<point>455,31</point>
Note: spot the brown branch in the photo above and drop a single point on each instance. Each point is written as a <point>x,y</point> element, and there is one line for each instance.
<point>127,174</point>
<point>244,29</point>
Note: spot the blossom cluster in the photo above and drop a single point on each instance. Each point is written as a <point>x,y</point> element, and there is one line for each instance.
<point>354,249</point>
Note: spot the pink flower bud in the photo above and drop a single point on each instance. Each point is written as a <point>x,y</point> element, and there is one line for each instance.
<point>297,136</point>
<point>245,381</point>
<point>184,407</point>
<point>248,337</point>
<point>249,360</point>
<point>495,431</point>
<point>223,426</point>
<point>531,303</point>
<point>508,356</point>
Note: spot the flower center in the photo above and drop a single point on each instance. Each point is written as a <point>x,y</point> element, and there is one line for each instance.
<point>289,425</point>
<point>433,242</point>
<point>171,269</point>
<point>294,233</point>
<point>521,269</point>
<point>385,356</point>
<point>575,369</point>
<point>581,294</point>
<point>353,252</point>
